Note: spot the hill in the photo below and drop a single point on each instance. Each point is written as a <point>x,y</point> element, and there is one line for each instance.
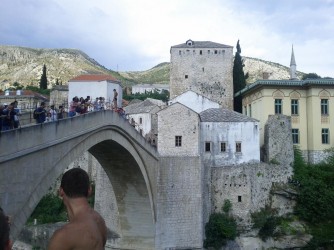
<point>25,66</point>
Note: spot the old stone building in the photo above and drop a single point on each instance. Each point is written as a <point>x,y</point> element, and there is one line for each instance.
<point>204,67</point>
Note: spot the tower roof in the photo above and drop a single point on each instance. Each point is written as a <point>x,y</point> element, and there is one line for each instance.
<point>201,44</point>
<point>293,60</point>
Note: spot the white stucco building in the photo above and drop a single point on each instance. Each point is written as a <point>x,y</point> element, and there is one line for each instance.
<point>95,86</point>
<point>144,88</point>
<point>228,138</point>
<point>195,101</point>
<point>142,115</point>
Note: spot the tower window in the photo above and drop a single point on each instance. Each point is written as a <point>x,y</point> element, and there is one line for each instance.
<point>200,52</point>
<point>186,76</point>
<point>178,141</point>
<point>239,198</point>
<point>207,146</point>
<point>223,147</point>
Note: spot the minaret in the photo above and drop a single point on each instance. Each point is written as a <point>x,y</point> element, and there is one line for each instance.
<point>293,66</point>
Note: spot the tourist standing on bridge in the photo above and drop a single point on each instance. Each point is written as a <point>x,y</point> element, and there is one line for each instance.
<point>73,105</point>
<point>5,242</point>
<point>9,117</point>
<point>53,113</point>
<point>115,99</point>
<point>40,113</point>
<point>86,228</point>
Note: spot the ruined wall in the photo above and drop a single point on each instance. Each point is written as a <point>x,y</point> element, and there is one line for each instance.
<point>250,187</point>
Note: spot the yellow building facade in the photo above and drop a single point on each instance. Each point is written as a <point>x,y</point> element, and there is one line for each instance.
<point>310,103</point>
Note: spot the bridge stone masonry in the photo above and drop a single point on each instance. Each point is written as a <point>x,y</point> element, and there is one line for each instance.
<point>151,209</point>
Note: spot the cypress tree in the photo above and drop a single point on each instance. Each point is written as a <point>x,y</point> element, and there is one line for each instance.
<point>43,84</point>
<point>239,78</point>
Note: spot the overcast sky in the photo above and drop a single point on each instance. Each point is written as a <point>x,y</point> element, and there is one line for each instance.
<point>132,35</point>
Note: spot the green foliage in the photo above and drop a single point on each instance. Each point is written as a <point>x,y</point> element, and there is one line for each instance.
<point>239,78</point>
<point>50,209</point>
<point>220,228</point>
<point>267,221</point>
<point>227,206</point>
<point>316,195</point>
<point>311,76</point>
<point>163,96</point>
<point>43,83</point>
<point>38,90</point>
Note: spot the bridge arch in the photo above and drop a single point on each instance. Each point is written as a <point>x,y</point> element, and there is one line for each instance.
<point>130,163</point>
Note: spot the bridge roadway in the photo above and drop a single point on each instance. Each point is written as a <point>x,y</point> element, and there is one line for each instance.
<point>32,158</point>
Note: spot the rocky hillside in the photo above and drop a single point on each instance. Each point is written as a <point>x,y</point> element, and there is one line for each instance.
<point>25,66</point>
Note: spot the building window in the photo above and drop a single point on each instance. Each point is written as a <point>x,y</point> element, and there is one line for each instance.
<point>200,52</point>
<point>250,110</point>
<point>239,198</point>
<point>295,136</point>
<point>203,69</point>
<point>238,147</point>
<point>207,146</point>
<point>178,141</point>
<point>186,76</point>
<point>216,52</point>
<point>180,52</point>
<point>140,120</point>
<point>278,106</point>
<point>325,136</point>
<point>223,147</point>
<point>141,131</point>
<point>294,107</point>
<point>208,51</point>
<point>324,106</point>
<point>245,108</point>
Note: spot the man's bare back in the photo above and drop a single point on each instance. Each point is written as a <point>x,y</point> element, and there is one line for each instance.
<point>86,229</point>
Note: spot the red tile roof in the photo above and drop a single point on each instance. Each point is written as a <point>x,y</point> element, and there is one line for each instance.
<point>94,78</point>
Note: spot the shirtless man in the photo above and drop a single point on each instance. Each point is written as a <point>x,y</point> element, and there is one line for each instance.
<point>86,229</point>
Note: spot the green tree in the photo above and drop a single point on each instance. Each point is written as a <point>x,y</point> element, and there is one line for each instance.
<point>43,83</point>
<point>311,76</point>
<point>239,79</point>
<point>220,228</point>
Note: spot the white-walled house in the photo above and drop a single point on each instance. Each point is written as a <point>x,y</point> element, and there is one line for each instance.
<point>95,86</point>
<point>228,138</point>
<point>144,88</point>
<point>142,116</point>
<point>194,101</point>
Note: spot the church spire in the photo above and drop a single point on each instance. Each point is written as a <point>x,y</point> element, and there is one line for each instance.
<point>293,66</point>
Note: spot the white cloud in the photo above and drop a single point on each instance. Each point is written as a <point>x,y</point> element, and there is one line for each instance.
<point>137,35</point>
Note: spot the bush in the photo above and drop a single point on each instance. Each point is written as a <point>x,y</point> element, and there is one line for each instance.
<point>267,221</point>
<point>50,209</point>
<point>220,228</point>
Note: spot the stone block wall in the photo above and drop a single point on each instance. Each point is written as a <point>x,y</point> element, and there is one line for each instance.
<point>179,209</point>
<point>209,73</point>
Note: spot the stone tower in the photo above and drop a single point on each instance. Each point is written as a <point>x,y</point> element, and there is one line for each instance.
<point>204,67</point>
<point>293,66</point>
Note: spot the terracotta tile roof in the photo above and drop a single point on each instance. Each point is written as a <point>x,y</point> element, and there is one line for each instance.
<point>24,93</point>
<point>95,78</point>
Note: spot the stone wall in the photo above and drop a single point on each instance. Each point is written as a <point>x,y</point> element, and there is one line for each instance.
<point>178,120</point>
<point>179,211</point>
<point>207,73</point>
<point>251,187</point>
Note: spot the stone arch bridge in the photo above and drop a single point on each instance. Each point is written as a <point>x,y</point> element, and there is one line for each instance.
<point>152,210</point>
